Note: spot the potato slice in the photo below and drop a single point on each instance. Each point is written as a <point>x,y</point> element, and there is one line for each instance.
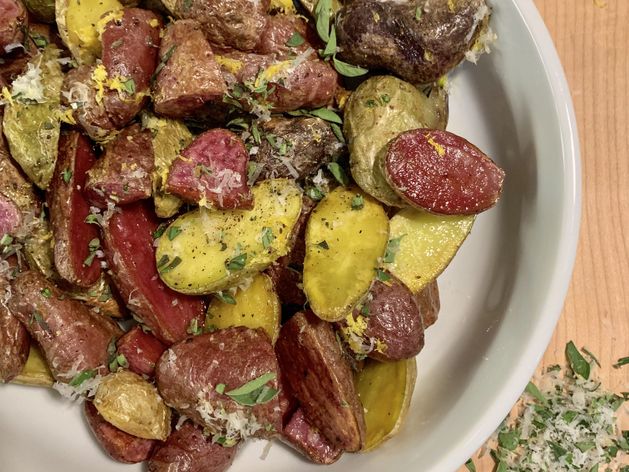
<point>393,381</point>
<point>78,22</point>
<point>345,238</point>
<point>206,251</point>
<point>133,405</point>
<point>35,371</point>
<point>32,126</point>
<point>422,245</point>
<point>257,306</point>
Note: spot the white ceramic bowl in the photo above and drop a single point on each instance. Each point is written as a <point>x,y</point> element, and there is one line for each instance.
<point>501,296</point>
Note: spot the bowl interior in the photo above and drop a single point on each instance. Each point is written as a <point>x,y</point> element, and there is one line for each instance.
<point>500,297</point>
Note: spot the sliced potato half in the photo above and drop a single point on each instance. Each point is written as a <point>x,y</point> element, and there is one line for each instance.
<point>35,371</point>
<point>256,306</point>
<point>345,238</point>
<point>426,244</point>
<point>385,390</point>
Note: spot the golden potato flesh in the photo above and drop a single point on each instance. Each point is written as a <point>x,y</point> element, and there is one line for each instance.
<point>422,245</point>
<point>207,250</point>
<point>255,306</point>
<point>345,238</point>
<point>35,371</point>
<point>393,381</point>
<point>133,405</point>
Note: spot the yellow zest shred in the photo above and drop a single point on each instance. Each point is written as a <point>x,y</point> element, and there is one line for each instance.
<point>154,23</point>
<point>271,72</point>
<point>437,147</point>
<point>99,76</point>
<point>285,6</point>
<point>6,94</point>
<point>232,65</point>
<point>106,18</point>
<point>66,116</point>
<point>380,346</point>
<point>451,5</point>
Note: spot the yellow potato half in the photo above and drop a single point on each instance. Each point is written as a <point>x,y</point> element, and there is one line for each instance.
<point>35,371</point>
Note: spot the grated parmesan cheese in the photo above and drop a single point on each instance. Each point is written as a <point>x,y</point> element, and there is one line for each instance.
<point>29,86</point>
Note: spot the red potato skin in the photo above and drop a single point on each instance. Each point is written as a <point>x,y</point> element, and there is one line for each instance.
<point>72,338</point>
<point>124,174</point>
<point>188,450</point>
<point>118,445</point>
<point>191,80</point>
<point>128,242</point>
<point>286,281</point>
<point>10,216</point>
<point>14,340</point>
<point>279,29</point>
<point>429,304</point>
<point>130,46</point>
<point>13,19</point>
<point>189,371</point>
<point>212,168</point>
<point>68,210</point>
<point>443,173</point>
<point>321,380</point>
<point>307,440</point>
<point>142,351</point>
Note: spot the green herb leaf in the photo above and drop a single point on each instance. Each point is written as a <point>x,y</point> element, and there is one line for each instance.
<point>36,316</point>
<point>382,276</point>
<point>578,363</point>
<point>509,439</point>
<point>470,465</point>
<point>6,239</point>
<point>255,132</point>
<point>502,467</point>
<point>314,193</point>
<point>236,263</point>
<point>66,175</point>
<point>173,232</point>
<point>338,132</point>
<point>174,263</point>
<point>591,356</point>
<point>39,40</point>
<point>323,11</point>
<point>327,115</point>
<point>162,261</point>
<point>129,86</point>
<point>46,292</point>
<point>164,60</point>
<point>91,219</point>
<point>255,392</point>
<point>557,450</point>
<point>330,48</point>
<point>253,384</point>
<point>220,388</point>
<point>594,468</point>
<point>193,327</point>
<point>348,70</point>
<point>81,377</point>
<point>393,246</point>
<point>295,40</point>
<point>267,237</point>
<point>338,173</point>
<point>225,297</point>
<point>585,446</point>
<point>532,390</point>
<point>358,202</point>
<point>418,13</point>
<point>622,361</point>
<point>323,245</point>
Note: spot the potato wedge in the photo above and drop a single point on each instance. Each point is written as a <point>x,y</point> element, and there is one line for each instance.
<point>380,109</point>
<point>36,371</point>
<point>42,10</point>
<point>206,251</point>
<point>393,381</point>
<point>32,125</point>
<point>170,137</point>
<point>257,306</point>
<point>79,22</point>
<point>133,405</point>
<point>345,238</point>
<point>422,245</point>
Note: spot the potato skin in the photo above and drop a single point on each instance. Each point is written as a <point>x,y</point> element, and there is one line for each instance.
<point>306,439</point>
<point>120,446</point>
<point>141,350</point>
<point>188,450</point>
<point>13,19</point>
<point>14,345</point>
<point>387,34</point>
<point>320,378</point>
<point>72,337</point>
<point>429,304</point>
<point>189,371</point>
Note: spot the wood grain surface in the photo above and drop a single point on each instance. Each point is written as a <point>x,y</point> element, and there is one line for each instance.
<point>592,38</point>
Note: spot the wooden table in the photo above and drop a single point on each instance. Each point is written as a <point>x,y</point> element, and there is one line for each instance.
<point>592,38</point>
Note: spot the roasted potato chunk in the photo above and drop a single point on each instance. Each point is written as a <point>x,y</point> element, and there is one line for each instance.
<point>422,245</point>
<point>255,306</point>
<point>345,237</point>
<point>380,109</point>
<point>35,372</point>
<point>133,405</point>
<point>206,251</point>
<point>393,381</point>
<point>42,10</point>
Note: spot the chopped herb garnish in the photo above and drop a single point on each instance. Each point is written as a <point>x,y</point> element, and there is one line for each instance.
<point>220,388</point>
<point>508,439</point>
<point>532,390</point>
<point>358,202</point>
<point>164,60</point>
<point>93,246</point>
<point>578,364</point>
<point>255,132</point>
<point>327,115</point>
<point>382,275</point>
<point>470,465</point>
<point>162,261</point>
<point>6,239</point>
<point>118,361</point>
<point>322,12</point>
<point>173,232</point>
<point>364,310</point>
<point>174,263</point>
<point>323,245</point>
<point>66,175</point>
<point>81,377</point>
<point>346,69</point>
<point>314,193</point>
<point>255,392</point>
<point>622,361</point>
<point>226,297</point>
<point>39,40</point>
<point>338,173</point>
<point>267,237</point>
<point>36,316</point>
<point>91,219</point>
<point>194,328</point>
<point>330,47</point>
<point>46,292</point>
<point>418,13</point>
<point>236,263</point>
<point>159,231</point>
<point>393,247</point>
<point>295,40</point>
<point>129,86</point>
<point>338,132</point>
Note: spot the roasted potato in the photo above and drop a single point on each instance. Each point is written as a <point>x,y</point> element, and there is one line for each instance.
<point>381,108</point>
<point>256,306</point>
<point>417,42</point>
<point>38,248</point>
<point>141,351</point>
<point>100,297</point>
<point>422,245</point>
<point>80,24</point>
<point>42,10</point>
<point>169,138</point>
<point>35,372</point>
<point>309,441</point>
<point>133,405</point>
<point>393,381</point>
<point>31,120</point>
<point>429,303</point>
<point>13,22</point>
<point>345,238</point>
<point>14,343</point>
<point>206,251</point>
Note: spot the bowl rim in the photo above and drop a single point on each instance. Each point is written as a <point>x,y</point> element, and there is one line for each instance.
<point>561,277</point>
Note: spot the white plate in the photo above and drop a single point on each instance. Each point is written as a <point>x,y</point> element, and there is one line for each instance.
<point>501,297</point>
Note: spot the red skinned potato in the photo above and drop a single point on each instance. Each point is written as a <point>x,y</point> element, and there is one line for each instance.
<point>128,241</point>
<point>306,439</point>
<point>74,258</point>
<point>429,303</point>
<point>287,282</point>
<point>14,343</point>
<point>187,449</point>
<point>10,216</point>
<point>190,80</point>
<point>124,174</point>
<point>279,30</point>
<point>387,326</point>
<point>141,350</point>
<point>72,337</point>
<point>213,169</point>
<point>130,45</point>
<point>442,173</point>
<point>120,446</point>
<point>13,20</point>
<point>191,375</point>
<point>320,378</point>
